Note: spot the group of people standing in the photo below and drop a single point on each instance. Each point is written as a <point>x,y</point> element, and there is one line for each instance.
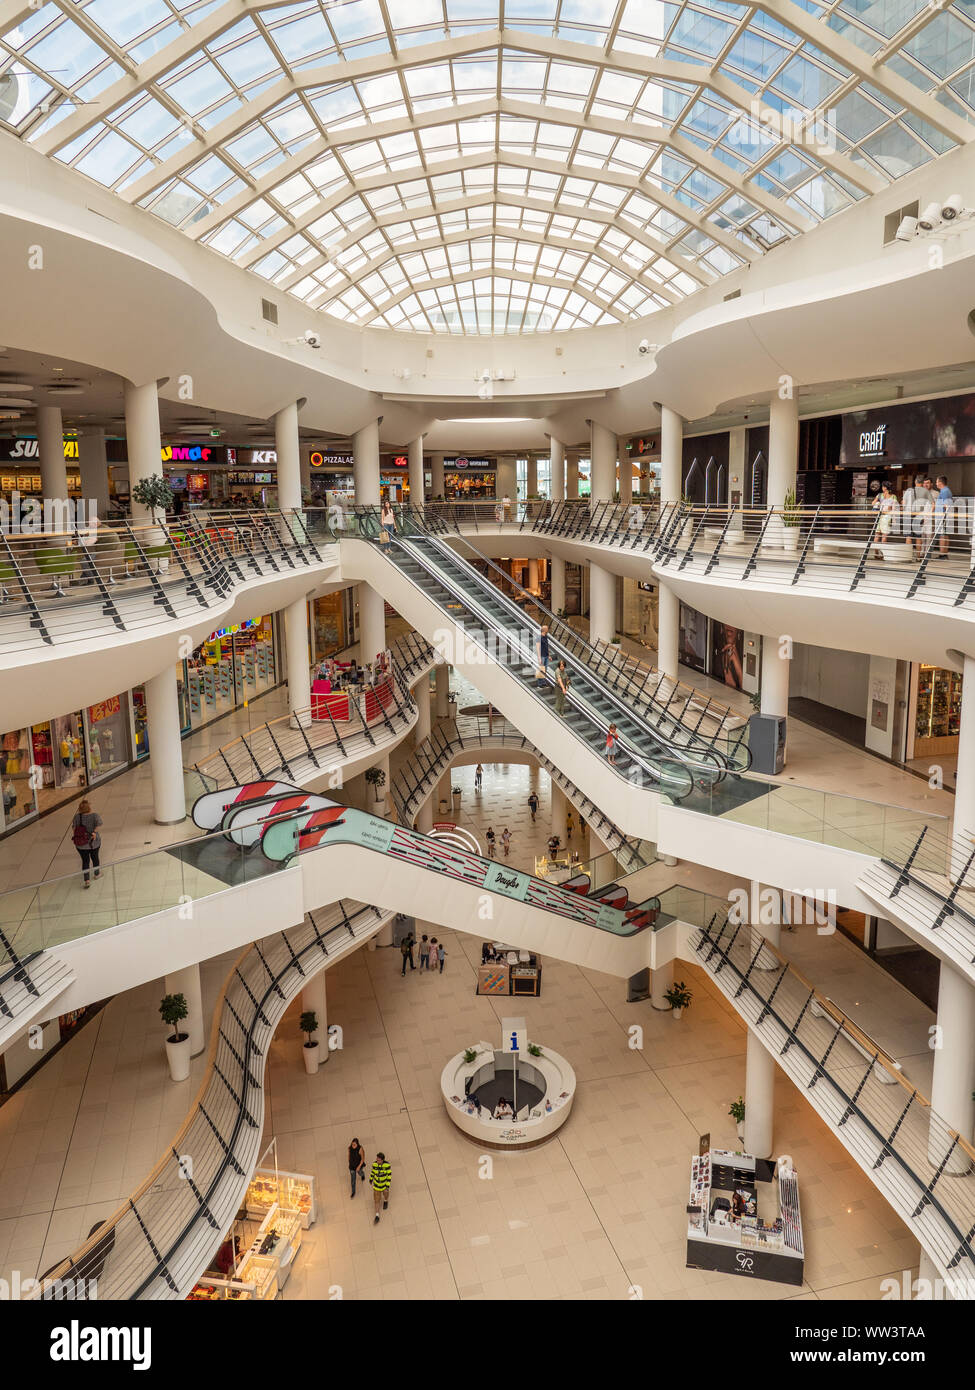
<point>431,952</point>
<point>380,1176</point>
<point>923,509</point>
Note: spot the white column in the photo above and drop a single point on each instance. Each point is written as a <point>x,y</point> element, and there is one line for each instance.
<point>504,479</point>
<point>314,1000</point>
<point>299,674</point>
<point>187,983</point>
<point>560,807</point>
<point>775,677</point>
<point>602,604</point>
<point>166,751</point>
<point>288,465</point>
<point>372,623</point>
<point>533,575</point>
<point>783,450</point>
<point>759,1097</point>
<point>557,571</point>
<point>436,475</point>
<point>421,694</point>
<point>142,438</point>
<point>572,479</point>
<point>414,455</point>
<point>424,817</point>
<point>661,980</point>
<point>602,455</point>
<point>954,1066</point>
<point>736,465</point>
<point>378,805</point>
<point>94,472</point>
<point>770,932</point>
<point>556,454</point>
<point>365,464</point>
<point>442,676</point>
<point>963,822</point>
<point>50,449</point>
<point>671,449</point>
<point>668,629</point>
<point>625,471</point>
<point>531,480</point>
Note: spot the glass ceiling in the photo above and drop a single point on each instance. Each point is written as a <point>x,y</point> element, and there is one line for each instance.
<point>489,166</point>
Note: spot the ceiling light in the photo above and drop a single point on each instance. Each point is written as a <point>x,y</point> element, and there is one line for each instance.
<point>16,400</point>
<point>18,386</point>
<point>65,391</point>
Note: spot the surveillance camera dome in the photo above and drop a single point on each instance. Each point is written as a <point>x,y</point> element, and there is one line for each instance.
<point>952,207</point>
<point>930,217</point>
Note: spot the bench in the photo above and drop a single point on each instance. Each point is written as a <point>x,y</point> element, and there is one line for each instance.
<point>828,545</point>
<point>893,552</point>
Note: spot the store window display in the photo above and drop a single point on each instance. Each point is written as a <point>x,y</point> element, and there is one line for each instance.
<point>106,736</point>
<point>17,799</point>
<point>58,753</point>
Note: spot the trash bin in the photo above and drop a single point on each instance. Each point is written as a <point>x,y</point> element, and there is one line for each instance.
<point>444,807</point>
<point>456,800</point>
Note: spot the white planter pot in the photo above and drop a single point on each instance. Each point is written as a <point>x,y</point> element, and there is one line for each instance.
<point>178,1056</point>
<point>444,808</point>
<point>740,1130</point>
<point>790,538</point>
<point>677,1012</point>
<point>310,1055</point>
<point>455,798</point>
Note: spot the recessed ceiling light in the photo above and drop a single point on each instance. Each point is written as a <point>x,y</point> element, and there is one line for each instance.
<point>16,400</point>
<point>65,391</point>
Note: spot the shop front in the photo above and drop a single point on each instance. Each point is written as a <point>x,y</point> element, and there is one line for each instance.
<point>935,699</point>
<point>469,479</point>
<point>20,470</point>
<point>234,664</point>
<point>333,620</point>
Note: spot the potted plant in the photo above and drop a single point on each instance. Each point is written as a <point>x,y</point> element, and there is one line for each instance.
<point>308,1024</point>
<point>155,494</point>
<point>455,797</point>
<point>376,777</point>
<point>790,522</point>
<point>470,1055</point>
<point>737,1113</point>
<point>534,1050</point>
<point>678,997</point>
<point>172,1011</point>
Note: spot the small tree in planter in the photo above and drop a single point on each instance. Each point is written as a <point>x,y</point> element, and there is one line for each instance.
<point>737,1113</point>
<point>172,1011</point>
<point>376,777</point>
<point>470,1055</point>
<point>154,493</point>
<point>308,1024</point>
<point>678,997</point>
<point>790,521</point>
<point>534,1050</point>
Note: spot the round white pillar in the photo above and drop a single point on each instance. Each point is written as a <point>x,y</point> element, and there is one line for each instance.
<point>365,464</point>
<point>436,476</point>
<point>414,454</point>
<point>775,676</point>
<point>625,470</point>
<point>602,461</point>
<point>759,1097</point>
<point>661,980</point>
<point>166,751</point>
<point>531,478</point>
<point>442,676</point>
<point>142,437</point>
<point>668,630</point>
<point>50,449</point>
<point>424,817</point>
<point>963,820</point>
<point>783,451</point>
<point>560,808</point>
<point>378,804</point>
<point>299,675</point>
<point>556,454</point>
<point>602,604</point>
<point>557,572</point>
<point>671,449</point>
<point>505,480</point>
<point>314,1000</point>
<point>421,695</point>
<point>372,624</point>
<point>94,473</point>
<point>187,983</point>
<point>572,479</point>
<point>289,457</point>
<point>533,576</point>
<point>954,1067</point>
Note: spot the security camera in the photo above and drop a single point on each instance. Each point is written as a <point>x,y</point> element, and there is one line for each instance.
<point>313,339</point>
<point>930,217</point>
<point>907,229</point>
<point>645,347</point>
<point>952,207</point>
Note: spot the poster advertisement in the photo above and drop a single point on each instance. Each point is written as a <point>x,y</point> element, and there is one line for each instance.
<point>693,641</point>
<point>726,654</point>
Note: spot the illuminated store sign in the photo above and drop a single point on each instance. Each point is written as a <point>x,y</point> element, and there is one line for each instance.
<point>11,449</point>
<point>320,460</point>
<point>185,453</point>
<point>872,443</point>
<point>463,462</point>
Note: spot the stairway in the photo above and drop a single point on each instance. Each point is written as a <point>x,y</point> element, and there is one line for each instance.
<point>28,986</point>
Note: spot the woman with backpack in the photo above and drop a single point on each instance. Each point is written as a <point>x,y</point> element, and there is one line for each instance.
<point>86,839</point>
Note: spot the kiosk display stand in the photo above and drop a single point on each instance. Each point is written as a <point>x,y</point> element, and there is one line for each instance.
<point>743,1217</point>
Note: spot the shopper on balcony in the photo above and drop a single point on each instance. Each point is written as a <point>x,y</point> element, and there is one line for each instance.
<point>943,511</point>
<point>86,839</point>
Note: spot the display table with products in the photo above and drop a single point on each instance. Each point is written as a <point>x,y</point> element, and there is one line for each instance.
<point>549,1076</point>
<point>264,1268</point>
<point>504,970</point>
<point>293,1191</point>
<point>743,1217</point>
<point>326,702</point>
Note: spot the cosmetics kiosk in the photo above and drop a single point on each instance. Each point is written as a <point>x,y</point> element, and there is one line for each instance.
<point>743,1217</point>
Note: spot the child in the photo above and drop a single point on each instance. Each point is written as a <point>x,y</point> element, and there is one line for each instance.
<point>611,741</point>
<point>441,955</point>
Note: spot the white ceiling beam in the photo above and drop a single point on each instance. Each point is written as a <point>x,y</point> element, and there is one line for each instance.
<point>490,273</point>
<point>869,68</point>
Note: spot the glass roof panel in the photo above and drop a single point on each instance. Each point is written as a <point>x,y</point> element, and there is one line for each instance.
<point>587,178</point>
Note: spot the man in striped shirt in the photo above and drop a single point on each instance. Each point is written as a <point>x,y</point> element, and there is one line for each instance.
<point>380,1175</point>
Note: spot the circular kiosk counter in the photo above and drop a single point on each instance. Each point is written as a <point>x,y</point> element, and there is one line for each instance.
<point>550,1075</point>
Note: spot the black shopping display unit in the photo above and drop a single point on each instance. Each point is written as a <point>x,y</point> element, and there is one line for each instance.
<point>743,1217</point>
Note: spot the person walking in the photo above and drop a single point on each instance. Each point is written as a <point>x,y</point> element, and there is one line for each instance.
<point>569,823</point>
<point>424,952</point>
<point>478,777</point>
<point>943,512</point>
<point>912,505</point>
<point>406,947</point>
<point>541,649</point>
<point>886,504</point>
<point>562,682</point>
<point>380,1178</point>
<point>441,955</point>
<point>86,839</point>
<point>387,522</point>
<point>506,841</point>
<point>489,836</point>
<point>357,1163</point>
<point>533,804</point>
<point>612,738</point>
